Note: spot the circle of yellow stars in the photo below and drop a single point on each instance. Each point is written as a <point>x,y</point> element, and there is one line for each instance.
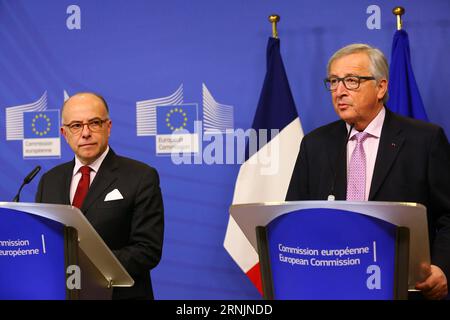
<point>173,112</point>
<point>47,124</point>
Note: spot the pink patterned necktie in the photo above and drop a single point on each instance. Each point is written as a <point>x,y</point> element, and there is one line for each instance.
<point>356,173</point>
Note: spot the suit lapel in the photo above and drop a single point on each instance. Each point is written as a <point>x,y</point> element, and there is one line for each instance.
<point>338,160</point>
<point>67,180</point>
<point>103,179</point>
<point>391,142</point>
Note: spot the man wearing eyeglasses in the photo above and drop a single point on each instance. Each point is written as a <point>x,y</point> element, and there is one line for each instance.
<point>374,154</point>
<point>120,197</point>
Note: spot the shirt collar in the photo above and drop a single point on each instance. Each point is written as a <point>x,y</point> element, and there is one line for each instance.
<point>94,165</point>
<point>375,126</point>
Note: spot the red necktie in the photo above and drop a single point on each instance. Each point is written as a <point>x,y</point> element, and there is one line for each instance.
<point>83,187</point>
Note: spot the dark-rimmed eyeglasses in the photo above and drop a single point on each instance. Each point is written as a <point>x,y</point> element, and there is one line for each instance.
<point>350,82</point>
<point>94,125</point>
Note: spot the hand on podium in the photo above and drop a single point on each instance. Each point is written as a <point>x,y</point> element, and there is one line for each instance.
<point>434,287</point>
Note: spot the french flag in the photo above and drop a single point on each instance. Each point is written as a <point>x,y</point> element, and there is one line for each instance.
<point>260,180</point>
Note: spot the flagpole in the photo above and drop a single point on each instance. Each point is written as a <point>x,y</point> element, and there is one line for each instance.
<point>274,18</point>
<point>399,11</point>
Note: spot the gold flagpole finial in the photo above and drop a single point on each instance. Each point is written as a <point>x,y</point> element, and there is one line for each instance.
<point>274,18</point>
<point>399,11</point>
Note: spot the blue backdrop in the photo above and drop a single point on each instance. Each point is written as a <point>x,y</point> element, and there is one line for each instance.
<point>213,52</point>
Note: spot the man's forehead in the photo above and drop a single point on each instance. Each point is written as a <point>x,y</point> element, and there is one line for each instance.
<point>354,59</point>
<point>84,103</point>
<point>84,98</point>
<point>350,64</point>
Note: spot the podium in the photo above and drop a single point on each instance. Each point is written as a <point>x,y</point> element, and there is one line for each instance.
<point>52,252</point>
<point>337,249</point>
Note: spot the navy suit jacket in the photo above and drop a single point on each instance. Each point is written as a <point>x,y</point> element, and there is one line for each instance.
<point>131,227</point>
<point>412,165</point>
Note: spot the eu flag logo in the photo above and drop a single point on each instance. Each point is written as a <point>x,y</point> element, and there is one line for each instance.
<point>41,124</point>
<point>176,119</point>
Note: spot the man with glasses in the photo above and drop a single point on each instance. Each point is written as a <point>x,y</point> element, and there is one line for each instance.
<point>374,154</point>
<point>120,197</point>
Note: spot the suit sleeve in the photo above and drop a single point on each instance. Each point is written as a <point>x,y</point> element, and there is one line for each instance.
<point>298,186</point>
<point>147,227</point>
<point>38,197</point>
<point>439,177</point>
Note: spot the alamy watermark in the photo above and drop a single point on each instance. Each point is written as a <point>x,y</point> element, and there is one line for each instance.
<point>260,148</point>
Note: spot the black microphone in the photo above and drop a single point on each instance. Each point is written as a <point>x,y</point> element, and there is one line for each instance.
<point>27,180</point>
<point>331,196</point>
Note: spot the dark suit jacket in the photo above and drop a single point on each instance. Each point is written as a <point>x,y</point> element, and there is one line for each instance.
<point>412,165</point>
<point>132,227</point>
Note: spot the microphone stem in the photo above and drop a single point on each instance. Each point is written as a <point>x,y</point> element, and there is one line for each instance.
<point>17,197</point>
<point>331,196</point>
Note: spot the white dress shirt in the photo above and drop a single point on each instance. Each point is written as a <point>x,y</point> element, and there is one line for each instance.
<point>76,176</point>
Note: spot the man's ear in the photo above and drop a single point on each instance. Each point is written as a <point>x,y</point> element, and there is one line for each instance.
<point>64,133</point>
<point>382,88</point>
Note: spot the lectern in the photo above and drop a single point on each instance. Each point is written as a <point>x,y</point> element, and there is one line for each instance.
<point>337,249</point>
<point>51,251</point>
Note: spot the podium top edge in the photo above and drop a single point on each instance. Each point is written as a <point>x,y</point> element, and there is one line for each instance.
<point>326,203</point>
<point>34,204</point>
